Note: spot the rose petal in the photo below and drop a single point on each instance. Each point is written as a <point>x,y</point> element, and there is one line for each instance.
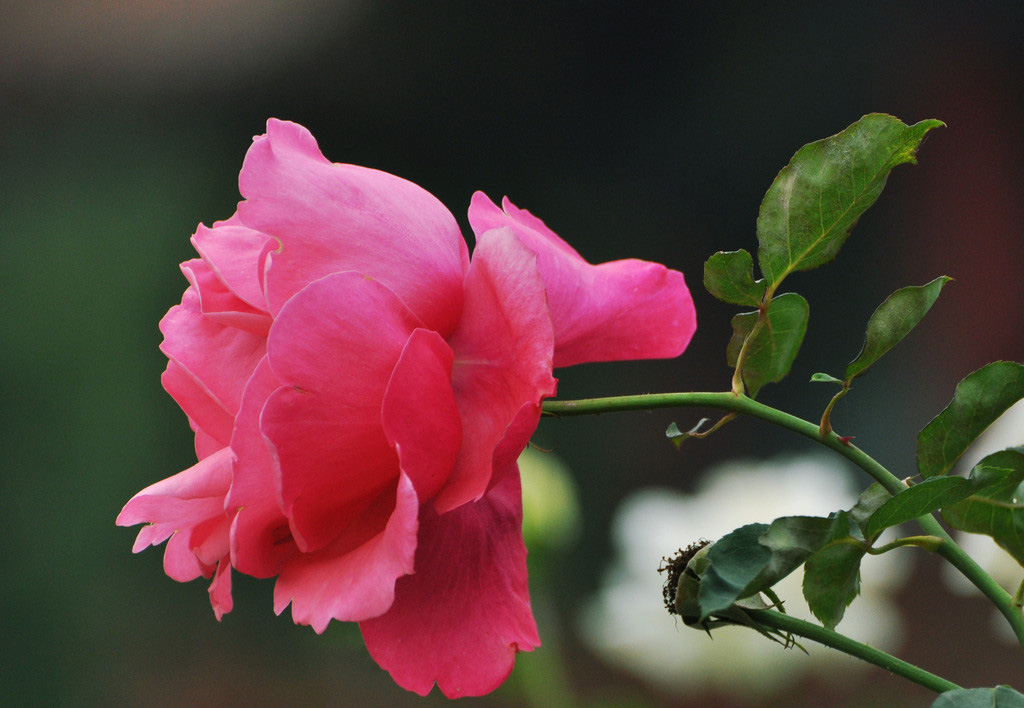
<point>219,359</point>
<point>627,309</point>
<point>261,541</point>
<point>209,540</point>
<point>514,441</point>
<point>206,445</point>
<point>180,563</point>
<point>219,304</point>
<point>233,251</point>
<point>333,347</point>
<point>332,217</point>
<point>419,414</point>
<point>354,577</point>
<point>461,618</point>
<point>502,369</point>
<point>180,502</point>
<point>220,590</point>
<point>205,414</point>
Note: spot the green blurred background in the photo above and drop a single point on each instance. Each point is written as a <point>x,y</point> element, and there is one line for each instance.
<point>634,130</point>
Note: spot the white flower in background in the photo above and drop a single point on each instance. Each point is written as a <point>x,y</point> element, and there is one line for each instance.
<point>1007,431</point>
<point>627,624</point>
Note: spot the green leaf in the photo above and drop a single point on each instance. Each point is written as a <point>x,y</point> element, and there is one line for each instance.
<point>995,471</point>
<point>924,498</point>
<point>742,326</point>
<point>979,399</point>
<point>728,276</point>
<point>677,436</point>
<point>734,561</point>
<point>997,508</point>
<point>832,576</point>
<point>673,431</point>
<point>870,500</point>
<point>792,540</point>
<point>998,697</point>
<point>893,320</point>
<point>996,468</point>
<point>754,557</point>
<point>775,343</point>
<point>815,201</point>
<point>825,378</point>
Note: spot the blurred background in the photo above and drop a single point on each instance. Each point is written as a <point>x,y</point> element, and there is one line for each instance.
<point>634,130</point>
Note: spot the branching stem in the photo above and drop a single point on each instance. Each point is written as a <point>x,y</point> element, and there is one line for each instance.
<point>741,404</point>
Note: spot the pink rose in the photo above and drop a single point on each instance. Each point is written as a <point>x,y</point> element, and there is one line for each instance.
<point>360,391</point>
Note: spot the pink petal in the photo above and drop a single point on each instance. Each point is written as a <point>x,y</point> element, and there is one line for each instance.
<point>217,358</point>
<point>354,577</point>
<point>261,541</point>
<point>180,502</point>
<point>219,304</point>
<point>233,251</point>
<point>461,618</point>
<point>180,563</point>
<point>419,413</point>
<point>502,369</point>
<point>220,590</point>
<point>211,421</point>
<point>331,217</point>
<point>199,551</point>
<point>333,347</point>
<point>186,510</point>
<point>514,441</point>
<point>206,445</point>
<point>209,540</point>
<point>627,309</point>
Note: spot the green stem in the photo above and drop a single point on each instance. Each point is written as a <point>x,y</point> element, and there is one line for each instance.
<point>734,403</point>
<point>738,387</point>
<point>928,543</point>
<point>830,638</point>
<point>826,418</point>
<point>959,559</point>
